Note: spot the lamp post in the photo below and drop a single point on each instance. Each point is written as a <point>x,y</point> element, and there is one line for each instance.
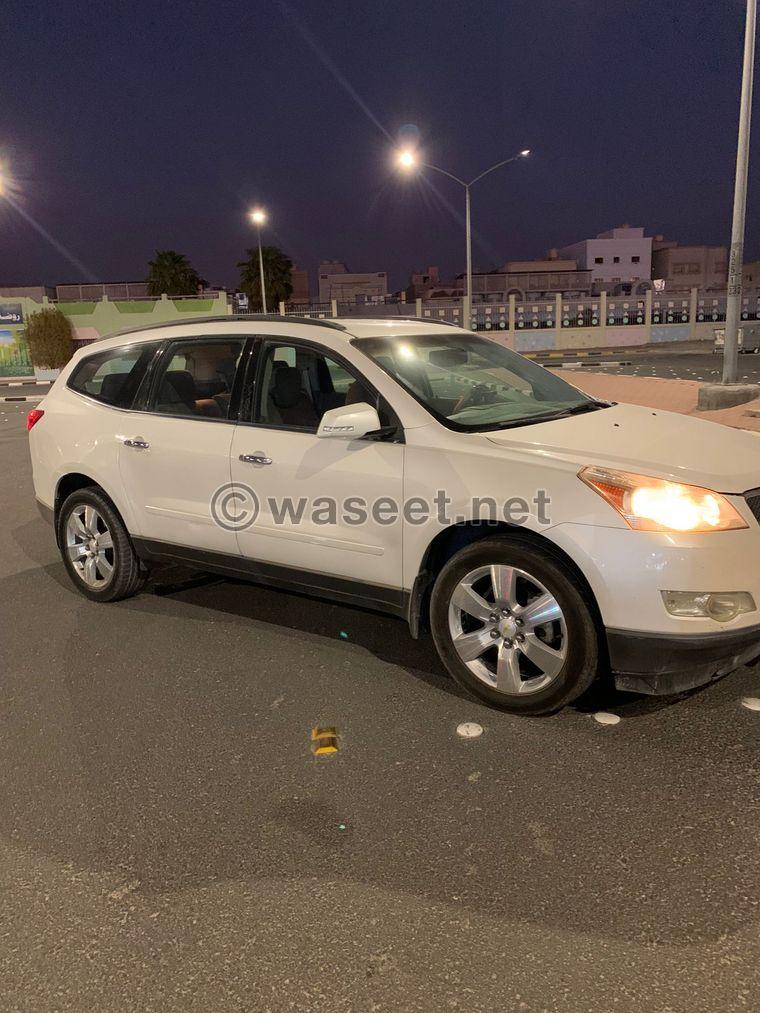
<point>258,217</point>
<point>736,257</point>
<point>408,161</point>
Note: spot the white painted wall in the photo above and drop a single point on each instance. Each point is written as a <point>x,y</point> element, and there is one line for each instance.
<point>623,243</point>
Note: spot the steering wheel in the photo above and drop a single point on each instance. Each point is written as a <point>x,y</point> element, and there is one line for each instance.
<point>480,394</point>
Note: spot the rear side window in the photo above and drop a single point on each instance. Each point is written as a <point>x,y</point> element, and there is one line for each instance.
<point>197,378</point>
<point>114,376</point>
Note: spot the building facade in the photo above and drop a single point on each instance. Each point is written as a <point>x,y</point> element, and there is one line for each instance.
<point>93,292</point>
<point>422,283</point>
<point>681,267</point>
<point>531,279</point>
<point>620,256</point>
<point>36,292</point>
<point>751,275</point>
<point>299,279</point>
<point>337,282</point>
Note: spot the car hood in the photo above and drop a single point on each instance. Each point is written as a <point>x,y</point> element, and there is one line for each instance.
<point>647,441</point>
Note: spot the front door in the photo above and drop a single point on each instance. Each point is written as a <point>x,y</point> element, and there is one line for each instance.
<point>324,506</point>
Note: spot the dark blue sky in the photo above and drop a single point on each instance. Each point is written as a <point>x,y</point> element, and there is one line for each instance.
<point>147,125</point>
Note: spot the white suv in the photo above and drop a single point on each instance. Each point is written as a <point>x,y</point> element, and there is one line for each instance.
<point>421,470</point>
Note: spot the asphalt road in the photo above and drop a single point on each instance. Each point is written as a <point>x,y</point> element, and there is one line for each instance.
<point>168,841</point>
<point>703,366</point>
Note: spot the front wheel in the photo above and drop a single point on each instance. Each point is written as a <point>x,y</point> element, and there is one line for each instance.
<point>96,548</point>
<point>512,627</point>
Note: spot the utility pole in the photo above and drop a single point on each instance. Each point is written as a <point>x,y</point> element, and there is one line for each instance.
<point>736,257</point>
<point>467,301</point>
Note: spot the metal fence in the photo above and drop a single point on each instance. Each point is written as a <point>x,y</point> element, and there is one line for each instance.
<point>535,314</point>
<point>299,309</point>
<point>581,313</point>
<point>626,312</point>
<point>670,311</point>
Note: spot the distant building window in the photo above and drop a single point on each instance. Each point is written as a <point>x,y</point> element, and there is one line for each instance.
<point>635,260</point>
<point>616,260</point>
<point>598,260</point>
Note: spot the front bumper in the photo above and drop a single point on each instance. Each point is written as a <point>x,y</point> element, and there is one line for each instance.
<point>660,664</point>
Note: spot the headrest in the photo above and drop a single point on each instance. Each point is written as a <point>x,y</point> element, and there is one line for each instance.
<point>111,385</point>
<point>182,385</point>
<point>287,387</point>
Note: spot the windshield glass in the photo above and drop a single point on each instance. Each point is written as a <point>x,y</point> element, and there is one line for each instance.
<point>472,383</point>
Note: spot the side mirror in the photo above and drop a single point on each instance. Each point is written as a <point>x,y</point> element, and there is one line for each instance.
<point>350,422</point>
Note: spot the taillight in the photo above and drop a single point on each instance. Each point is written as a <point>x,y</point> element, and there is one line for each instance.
<point>33,418</point>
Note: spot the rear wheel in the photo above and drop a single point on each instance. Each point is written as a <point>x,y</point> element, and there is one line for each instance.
<point>512,626</point>
<point>96,547</point>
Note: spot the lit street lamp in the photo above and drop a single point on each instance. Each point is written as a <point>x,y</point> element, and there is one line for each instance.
<point>408,160</point>
<point>258,217</point>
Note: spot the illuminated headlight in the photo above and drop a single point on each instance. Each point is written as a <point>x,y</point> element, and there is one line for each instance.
<point>723,606</point>
<point>652,504</point>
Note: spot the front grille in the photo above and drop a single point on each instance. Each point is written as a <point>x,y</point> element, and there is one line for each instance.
<point>753,502</point>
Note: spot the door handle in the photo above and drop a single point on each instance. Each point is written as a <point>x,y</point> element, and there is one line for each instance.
<point>255,459</point>
<point>138,443</point>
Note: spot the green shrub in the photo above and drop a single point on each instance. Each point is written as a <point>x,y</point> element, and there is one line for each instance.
<point>48,335</point>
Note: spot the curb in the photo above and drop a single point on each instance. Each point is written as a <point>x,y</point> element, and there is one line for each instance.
<point>561,355</point>
<point>575,364</point>
<point>21,397</point>
<point>30,382</point>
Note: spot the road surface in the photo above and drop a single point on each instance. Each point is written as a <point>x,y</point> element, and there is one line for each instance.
<point>168,841</point>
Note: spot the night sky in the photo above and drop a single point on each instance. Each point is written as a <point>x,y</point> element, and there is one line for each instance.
<point>132,127</point>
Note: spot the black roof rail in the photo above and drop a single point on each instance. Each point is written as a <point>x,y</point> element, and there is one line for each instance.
<point>234,317</point>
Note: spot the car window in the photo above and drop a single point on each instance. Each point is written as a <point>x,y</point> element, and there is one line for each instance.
<point>113,376</point>
<point>299,384</point>
<point>472,383</point>
<point>196,379</point>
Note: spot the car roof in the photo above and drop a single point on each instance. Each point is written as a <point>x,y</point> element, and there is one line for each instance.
<point>346,327</point>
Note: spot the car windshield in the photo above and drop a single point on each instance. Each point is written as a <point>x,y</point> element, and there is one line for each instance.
<point>471,383</point>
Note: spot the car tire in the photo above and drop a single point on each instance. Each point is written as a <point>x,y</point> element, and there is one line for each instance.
<point>540,647</point>
<point>96,548</point>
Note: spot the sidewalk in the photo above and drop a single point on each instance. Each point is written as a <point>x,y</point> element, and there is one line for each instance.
<point>669,395</point>
<point>625,351</point>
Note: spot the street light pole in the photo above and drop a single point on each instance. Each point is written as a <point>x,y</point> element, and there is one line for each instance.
<point>258,217</point>
<point>408,160</point>
<point>261,273</point>
<point>736,258</point>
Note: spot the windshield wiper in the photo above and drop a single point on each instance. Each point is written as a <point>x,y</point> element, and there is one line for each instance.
<point>578,409</point>
<point>585,406</point>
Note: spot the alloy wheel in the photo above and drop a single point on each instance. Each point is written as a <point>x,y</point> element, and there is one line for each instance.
<point>508,629</point>
<point>89,545</point>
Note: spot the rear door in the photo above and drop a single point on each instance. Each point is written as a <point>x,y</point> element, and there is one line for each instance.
<point>174,456</point>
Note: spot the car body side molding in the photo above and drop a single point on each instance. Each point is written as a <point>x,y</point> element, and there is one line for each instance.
<point>378,598</point>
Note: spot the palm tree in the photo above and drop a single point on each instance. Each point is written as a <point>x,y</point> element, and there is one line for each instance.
<point>172,273</point>
<point>277,268</point>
